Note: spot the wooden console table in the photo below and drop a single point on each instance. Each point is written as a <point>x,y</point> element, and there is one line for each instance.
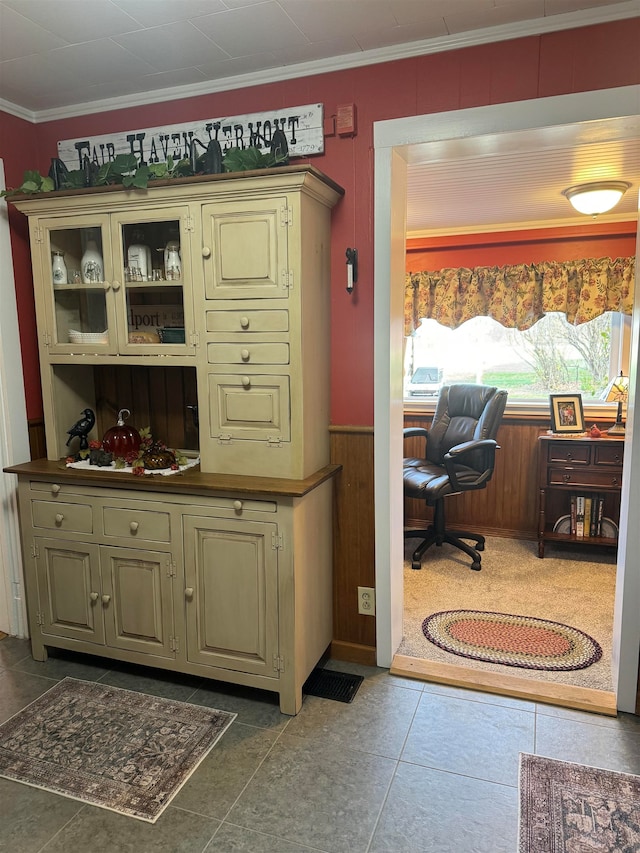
<point>580,466</point>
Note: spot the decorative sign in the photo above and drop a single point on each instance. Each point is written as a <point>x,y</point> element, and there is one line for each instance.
<point>303,127</point>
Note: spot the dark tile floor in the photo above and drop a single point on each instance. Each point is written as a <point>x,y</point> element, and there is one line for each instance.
<point>407,766</point>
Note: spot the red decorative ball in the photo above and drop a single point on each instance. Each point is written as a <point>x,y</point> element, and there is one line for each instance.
<point>121,440</point>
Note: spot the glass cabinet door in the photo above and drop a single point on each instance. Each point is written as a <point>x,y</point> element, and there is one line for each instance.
<point>77,263</point>
<point>152,251</point>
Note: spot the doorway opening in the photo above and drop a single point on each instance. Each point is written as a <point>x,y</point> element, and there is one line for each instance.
<point>395,143</point>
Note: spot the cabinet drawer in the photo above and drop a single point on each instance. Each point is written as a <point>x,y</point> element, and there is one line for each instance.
<point>248,320</point>
<point>586,477</point>
<point>571,454</point>
<point>72,518</point>
<point>608,454</point>
<point>137,524</point>
<point>253,353</point>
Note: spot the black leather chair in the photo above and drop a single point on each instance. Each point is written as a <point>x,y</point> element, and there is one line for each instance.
<point>459,456</point>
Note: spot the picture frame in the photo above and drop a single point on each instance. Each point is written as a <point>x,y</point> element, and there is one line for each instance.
<point>567,414</point>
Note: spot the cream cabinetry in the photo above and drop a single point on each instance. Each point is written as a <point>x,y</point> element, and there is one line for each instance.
<point>220,576</point>
<point>252,304</point>
<point>225,570</point>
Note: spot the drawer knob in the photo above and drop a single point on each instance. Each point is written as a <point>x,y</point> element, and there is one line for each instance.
<point>55,489</point>
<point>106,599</point>
<point>237,505</point>
<point>614,482</point>
<point>188,593</point>
<point>133,526</point>
<point>94,596</point>
<point>244,354</point>
<point>244,322</point>
<point>569,457</point>
<point>59,518</point>
<point>206,252</point>
<point>115,285</point>
<point>246,381</point>
<point>566,477</point>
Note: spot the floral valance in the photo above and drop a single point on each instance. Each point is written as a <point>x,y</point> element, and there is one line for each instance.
<point>517,296</point>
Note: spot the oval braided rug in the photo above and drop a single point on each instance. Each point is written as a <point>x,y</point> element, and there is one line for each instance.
<point>523,641</point>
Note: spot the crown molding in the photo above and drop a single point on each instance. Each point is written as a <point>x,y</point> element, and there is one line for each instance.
<point>472,38</point>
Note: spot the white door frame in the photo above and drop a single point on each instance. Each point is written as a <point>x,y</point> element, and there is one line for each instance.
<point>14,439</point>
<point>392,145</point>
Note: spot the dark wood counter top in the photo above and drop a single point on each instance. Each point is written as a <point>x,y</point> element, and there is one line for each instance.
<point>192,481</point>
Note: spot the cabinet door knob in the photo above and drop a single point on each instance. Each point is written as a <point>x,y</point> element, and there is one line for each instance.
<point>106,599</point>
<point>115,285</point>
<point>55,489</point>
<point>188,593</point>
<point>59,518</point>
<point>244,322</point>
<point>133,526</point>
<point>94,596</point>
<point>246,381</point>
<point>106,285</point>
<point>206,252</point>
<point>237,505</point>
<point>244,354</point>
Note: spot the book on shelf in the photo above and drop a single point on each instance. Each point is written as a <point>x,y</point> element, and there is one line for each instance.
<point>588,501</point>
<point>599,515</point>
<point>572,515</point>
<point>580,501</point>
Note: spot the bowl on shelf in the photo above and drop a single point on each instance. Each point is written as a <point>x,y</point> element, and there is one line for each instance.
<point>76,337</point>
<point>171,335</point>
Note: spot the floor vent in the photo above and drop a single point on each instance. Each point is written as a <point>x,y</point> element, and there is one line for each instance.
<point>329,684</point>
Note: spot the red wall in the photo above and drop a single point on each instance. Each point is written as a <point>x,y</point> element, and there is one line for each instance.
<point>533,67</point>
<point>19,151</point>
<point>615,240</point>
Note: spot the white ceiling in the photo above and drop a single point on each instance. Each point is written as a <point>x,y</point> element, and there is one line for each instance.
<point>72,57</point>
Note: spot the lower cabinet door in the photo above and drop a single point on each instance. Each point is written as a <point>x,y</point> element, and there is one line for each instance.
<point>69,590</point>
<point>137,600</point>
<point>231,594</point>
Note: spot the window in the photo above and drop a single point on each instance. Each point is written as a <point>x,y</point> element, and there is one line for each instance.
<point>552,356</point>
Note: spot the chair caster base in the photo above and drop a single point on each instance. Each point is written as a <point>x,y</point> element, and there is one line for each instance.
<point>416,564</point>
<point>476,566</point>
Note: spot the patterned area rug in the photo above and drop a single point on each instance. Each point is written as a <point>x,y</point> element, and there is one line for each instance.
<point>112,748</point>
<point>570,808</point>
<point>522,641</point>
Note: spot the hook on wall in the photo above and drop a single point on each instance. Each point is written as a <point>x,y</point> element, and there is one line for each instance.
<point>352,268</point>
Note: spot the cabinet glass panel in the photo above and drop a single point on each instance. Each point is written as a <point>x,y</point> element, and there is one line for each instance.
<point>78,285</point>
<point>152,259</point>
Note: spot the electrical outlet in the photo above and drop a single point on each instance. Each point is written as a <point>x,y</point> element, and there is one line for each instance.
<point>367,600</point>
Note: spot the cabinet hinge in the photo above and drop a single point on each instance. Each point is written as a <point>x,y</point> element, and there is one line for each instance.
<point>224,439</point>
<point>35,552</point>
<point>194,339</point>
<point>37,234</point>
<point>40,617</point>
<point>188,224</point>
<point>173,642</point>
<point>277,541</point>
<point>274,441</point>
<point>46,338</point>
<point>286,215</point>
<point>287,279</point>
<point>278,663</point>
<point>171,569</point>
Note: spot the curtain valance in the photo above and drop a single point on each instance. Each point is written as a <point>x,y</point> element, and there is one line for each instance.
<point>517,296</point>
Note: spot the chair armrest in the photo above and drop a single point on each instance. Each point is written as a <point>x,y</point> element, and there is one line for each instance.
<point>467,446</point>
<point>409,432</point>
<point>457,454</point>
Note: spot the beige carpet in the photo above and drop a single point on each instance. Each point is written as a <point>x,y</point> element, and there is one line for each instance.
<point>575,587</point>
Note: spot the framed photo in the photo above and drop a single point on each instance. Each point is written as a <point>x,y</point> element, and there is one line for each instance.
<point>567,414</point>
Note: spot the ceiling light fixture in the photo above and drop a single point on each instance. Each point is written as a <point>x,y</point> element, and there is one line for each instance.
<point>595,198</point>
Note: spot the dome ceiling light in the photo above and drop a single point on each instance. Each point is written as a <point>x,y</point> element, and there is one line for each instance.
<point>598,197</point>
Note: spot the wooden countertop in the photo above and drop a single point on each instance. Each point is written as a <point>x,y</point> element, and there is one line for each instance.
<point>192,481</point>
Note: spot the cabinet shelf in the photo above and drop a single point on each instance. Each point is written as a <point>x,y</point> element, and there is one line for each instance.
<point>581,466</point>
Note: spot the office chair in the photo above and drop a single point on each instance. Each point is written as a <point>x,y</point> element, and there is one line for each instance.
<point>459,457</point>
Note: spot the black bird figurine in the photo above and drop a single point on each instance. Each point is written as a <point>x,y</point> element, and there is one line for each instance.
<point>82,428</point>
